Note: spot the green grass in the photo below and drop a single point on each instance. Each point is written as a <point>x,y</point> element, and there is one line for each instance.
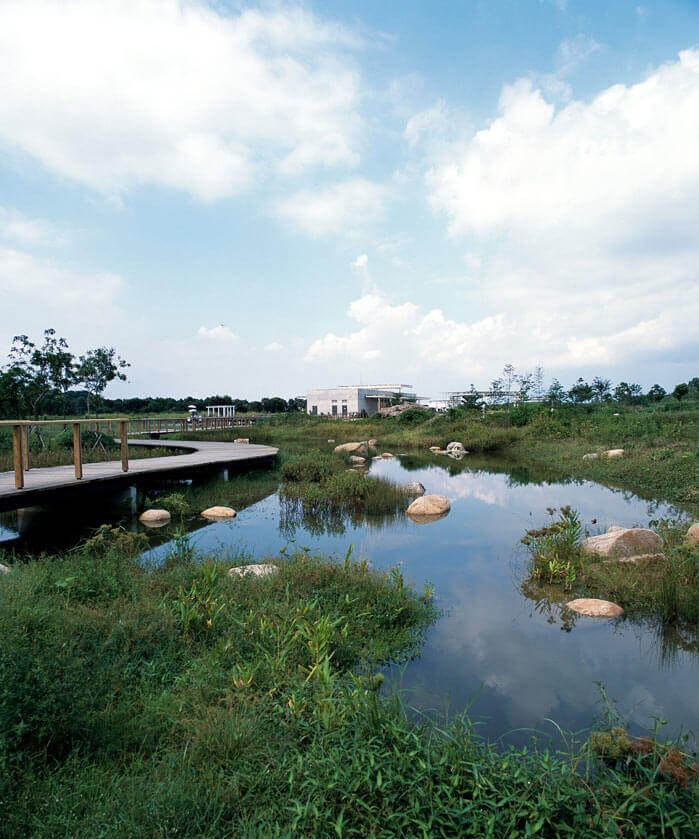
<point>177,702</point>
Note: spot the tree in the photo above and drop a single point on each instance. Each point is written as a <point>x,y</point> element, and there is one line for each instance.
<point>40,370</point>
<point>97,368</point>
<point>680,391</point>
<point>556,393</point>
<point>472,400</point>
<point>580,392</point>
<point>656,393</point>
<point>526,383</point>
<point>601,388</point>
<point>497,391</point>
<point>539,381</point>
<point>508,372</point>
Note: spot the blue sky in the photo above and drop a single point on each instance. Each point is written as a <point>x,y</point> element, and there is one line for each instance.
<point>259,199</point>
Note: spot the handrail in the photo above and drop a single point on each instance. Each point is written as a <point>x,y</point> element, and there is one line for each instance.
<point>124,427</point>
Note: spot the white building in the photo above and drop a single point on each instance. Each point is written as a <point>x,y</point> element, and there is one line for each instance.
<point>355,400</point>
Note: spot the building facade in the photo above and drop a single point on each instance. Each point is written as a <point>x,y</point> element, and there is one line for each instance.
<point>355,400</point>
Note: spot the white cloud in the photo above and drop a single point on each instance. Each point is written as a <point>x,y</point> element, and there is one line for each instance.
<point>275,346</point>
<point>173,92</point>
<point>218,333</point>
<point>17,227</point>
<point>361,263</point>
<point>342,207</point>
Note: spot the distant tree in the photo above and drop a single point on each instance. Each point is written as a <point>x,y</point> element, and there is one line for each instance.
<point>581,391</point>
<point>656,393</point>
<point>274,405</point>
<point>497,391</point>
<point>525,384</point>
<point>625,392</point>
<point>600,388</point>
<point>297,403</point>
<point>693,385</point>
<point>680,391</point>
<point>556,393</point>
<point>97,368</point>
<point>472,400</point>
<point>508,372</point>
<point>539,381</point>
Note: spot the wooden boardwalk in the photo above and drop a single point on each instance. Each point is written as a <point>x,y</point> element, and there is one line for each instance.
<point>43,485</point>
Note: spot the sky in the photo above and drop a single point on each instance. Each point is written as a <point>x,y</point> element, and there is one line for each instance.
<point>260,199</point>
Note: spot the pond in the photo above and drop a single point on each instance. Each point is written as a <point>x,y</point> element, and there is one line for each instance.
<point>506,657</point>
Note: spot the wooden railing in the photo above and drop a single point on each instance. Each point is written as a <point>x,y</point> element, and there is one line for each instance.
<point>121,427</point>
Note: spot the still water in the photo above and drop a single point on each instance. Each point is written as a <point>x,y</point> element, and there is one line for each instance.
<point>505,656</point>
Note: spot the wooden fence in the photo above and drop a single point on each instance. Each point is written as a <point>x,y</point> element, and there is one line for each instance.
<point>121,428</point>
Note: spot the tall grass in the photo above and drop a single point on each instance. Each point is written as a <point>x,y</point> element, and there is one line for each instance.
<point>180,702</point>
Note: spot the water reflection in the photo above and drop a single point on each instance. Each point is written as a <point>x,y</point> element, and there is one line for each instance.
<point>497,648</point>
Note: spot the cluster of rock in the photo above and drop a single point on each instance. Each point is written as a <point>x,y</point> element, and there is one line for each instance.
<point>155,517</point>
<point>453,449</point>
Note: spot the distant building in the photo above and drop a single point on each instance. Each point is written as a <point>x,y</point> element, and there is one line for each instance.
<point>356,400</point>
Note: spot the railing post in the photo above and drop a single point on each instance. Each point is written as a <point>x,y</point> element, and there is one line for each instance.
<point>77,451</point>
<point>25,447</point>
<point>17,456</point>
<point>124,447</point>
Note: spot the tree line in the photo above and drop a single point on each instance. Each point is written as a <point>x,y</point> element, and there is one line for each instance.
<point>512,386</point>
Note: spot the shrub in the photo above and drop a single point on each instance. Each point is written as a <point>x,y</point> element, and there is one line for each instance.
<point>314,467</point>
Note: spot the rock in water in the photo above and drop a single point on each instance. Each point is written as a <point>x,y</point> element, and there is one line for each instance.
<point>361,449</point>
<point>595,608</point>
<point>372,443</point>
<point>355,458</point>
<point>265,569</point>
<point>623,542</point>
<point>692,537</point>
<point>413,488</point>
<point>154,516</point>
<point>219,513</point>
<point>428,508</point>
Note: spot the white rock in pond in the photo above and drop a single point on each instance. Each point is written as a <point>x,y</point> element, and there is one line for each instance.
<point>412,488</point>
<point>455,447</point>
<point>623,542</point>
<point>595,608</point>
<point>4,569</point>
<point>591,456</point>
<point>387,455</point>
<point>614,453</point>
<point>355,458</point>
<point>154,516</point>
<point>429,506</point>
<point>241,440</point>
<point>692,537</point>
<point>265,569</point>
<point>353,448</point>
<point>219,513</point>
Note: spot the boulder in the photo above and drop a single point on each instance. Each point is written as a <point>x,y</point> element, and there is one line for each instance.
<point>614,453</point>
<point>265,569</point>
<point>591,456</point>
<point>429,506</point>
<point>241,440</point>
<point>412,488</point>
<point>595,608</point>
<point>387,455</point>
<point>434,448</point>
<point>372,443</point>
<point>360,449</point>
<point>154,517</point>
<point>219,513</point>
<point>692,537</point>
<point>4,569</point>
<point>623,542</point>
<point>355,458</point>
<point>455,447</point>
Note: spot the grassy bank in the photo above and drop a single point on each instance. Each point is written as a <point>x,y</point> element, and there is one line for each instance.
<point>178,701</point>
<point>667,587</point>
<point>661,457</point>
